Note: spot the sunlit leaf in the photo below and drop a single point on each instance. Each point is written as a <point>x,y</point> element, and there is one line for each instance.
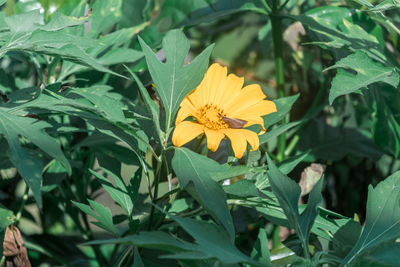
<point>194,178</point>
<point>368,72</point>
<point>173,79</point>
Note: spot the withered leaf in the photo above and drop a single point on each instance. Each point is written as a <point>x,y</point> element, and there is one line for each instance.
<point>14,248</point>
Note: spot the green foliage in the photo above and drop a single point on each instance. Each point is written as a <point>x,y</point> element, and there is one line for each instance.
<point>368,72</point>
<point>196,180</point>
<point>288,194</point>
<point>382,221</point>
<point>87,111</point>
<point>173,79</point>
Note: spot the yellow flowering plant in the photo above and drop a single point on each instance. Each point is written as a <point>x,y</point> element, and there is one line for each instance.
<point>222,108</point>
<point>104,122</point>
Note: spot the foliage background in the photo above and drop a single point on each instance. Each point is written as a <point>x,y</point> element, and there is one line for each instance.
<point>75,118</point>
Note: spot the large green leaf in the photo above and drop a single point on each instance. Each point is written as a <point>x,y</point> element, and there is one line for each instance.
<point>29,166</point>
<point>216,243</point>
<point>382,222</point>
<point>194,178</point>
<point>288,193</point>
<point>173,79</point>
<point>385,117</point>
<point>27,32</point>
<point>368,72</point>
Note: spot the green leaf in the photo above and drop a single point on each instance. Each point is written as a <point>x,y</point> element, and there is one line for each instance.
<point>289,164</point>
<point>120,55</point>
<point>261,250</point>
<point>105,13</point>
<point>368,72</point>
<point>155,240</point>
<point>119,193</point>
<point>382,222</point>
<point>194,178</point>
<point>6,218</point>
<point>334,143</point>
<point>29,166</point>
<point>283,107</point>
<point>149,103</point>
<point>2,2</point>
<point>103,216</point>
<point>275,132</point>
<point>60,21</point>
<point>137,260</point>
<point>244,189</point>
<point>216,243</point>
<point>173,79</point>
<point>384,255</point>
<point>25,22</point>
<point>288,193</point>
<point>385,5</point>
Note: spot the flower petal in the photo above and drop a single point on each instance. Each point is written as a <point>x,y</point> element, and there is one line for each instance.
<point>229,90</point>
<point>253,140</point>
<point>260,108</point>
<point>185,132</point>
<point>249,96</point>
<point>239,139</point>
<point>214,138</point>
<point>187,109</point>
<point>215,76</point>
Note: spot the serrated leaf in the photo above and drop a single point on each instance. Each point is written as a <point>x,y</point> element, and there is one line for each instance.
<point>173,79</point>
<point>194,178</point>
<point>288,193</point>
<point>216,243</point>
<point>25,22</point>
<point>60,21</point>
<point>382,221</point>
<point>30,168</point>
<point>103,216</point>
<point>119,193</point>
<point>154,239</point>
<point>368,72</point>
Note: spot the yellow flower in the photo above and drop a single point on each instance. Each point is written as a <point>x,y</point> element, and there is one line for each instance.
<point>222,108</point>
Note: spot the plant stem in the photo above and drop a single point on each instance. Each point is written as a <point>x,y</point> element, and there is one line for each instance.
<point>22,206</point>
<point>156,183</point>
<point>276,22</point>
<point>306,251</point>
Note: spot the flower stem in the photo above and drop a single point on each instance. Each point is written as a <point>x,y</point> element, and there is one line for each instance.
<point>156,184</point>
<point>276,22</point>
<point>22,206</point>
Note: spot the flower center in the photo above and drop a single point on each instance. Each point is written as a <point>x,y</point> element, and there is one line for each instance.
<point>209,116</point>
